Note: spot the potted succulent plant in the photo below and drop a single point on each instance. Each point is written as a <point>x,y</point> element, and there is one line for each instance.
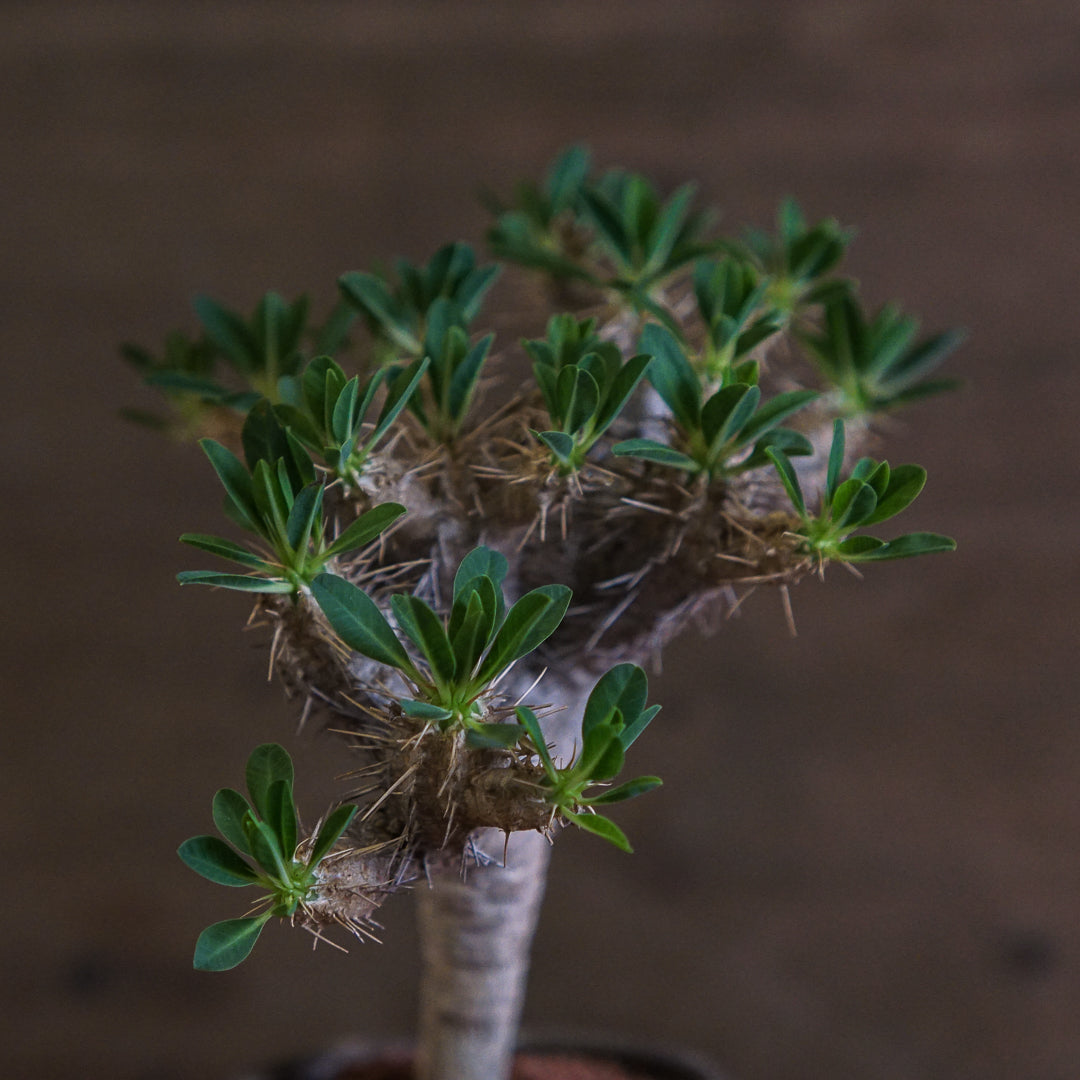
<point>468,588</point>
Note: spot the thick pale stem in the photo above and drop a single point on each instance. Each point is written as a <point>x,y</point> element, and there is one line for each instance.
<point>476,934</point>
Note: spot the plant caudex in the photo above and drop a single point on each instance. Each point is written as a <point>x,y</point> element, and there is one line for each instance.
<point>265,831</point>
<point>426,647</point>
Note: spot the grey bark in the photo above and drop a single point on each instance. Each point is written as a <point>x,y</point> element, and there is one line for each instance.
<point>476,935</point>
<point>476,932</point>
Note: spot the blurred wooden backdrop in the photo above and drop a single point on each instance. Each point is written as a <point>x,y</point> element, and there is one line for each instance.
<point>866,861</point>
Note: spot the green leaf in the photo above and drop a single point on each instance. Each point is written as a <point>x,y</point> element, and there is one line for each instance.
<point>725,413</point>
<point>470,633</point>
<point>624,688</point>
<point>602,755</point>
<point>609,224</point>
<point>792,443</point>
<point>463,380</point>
<point>281,816</point>
<point>672,376</point>
<point>266,765</point>
<point>333,335</point>
<point>650,450</point>
<point>428,634</point>
<point>263,437</point>
<point>621,390</point>
<point>924,357</point>
<point>322,382</point>
<point>789,478</point>
<point>425,710</point>
<point>601,826</point>
<point>237,482</point>
<point>579,397</point>
<point>367,293</point>
<point>225,549</point>
<point>559,443</point>
<point>306,510</point>
<point>229,809</point>
<point>923,390</point>
<point>904,547</point>
<point>358,621</point>
<point>774,411</point>
<point>491,602</point>
<point>178,381</point>
<point>235,581</point>
<point>266,848</point>
<point>854,548</point>
<point>495,736</point>
<point>226,944</point>
<point>836,460</point>
<point>216,861</point>
<point>334,825</point>
<point>366,527</point>
<point>480,562</point>
<point>630,790</point>
<point>531,724</point>
<point>269,496</point>
<point>568,173</point>
<point>401,391</point>
<point>634,727</point>
<point>343,419</point>
<point>229,333</point>
<point>528,624</point>
<point>666,230</point>
<point>905,483</point>
<point>853,503</point>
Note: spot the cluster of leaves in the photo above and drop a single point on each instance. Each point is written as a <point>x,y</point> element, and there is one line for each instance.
<point>455,365</point>
<point>262,353</point>
<point>332,420</point>
<point>462,659</point>
<point>875,363</point>
<point>615,715</point>
<point>265,830</point>
<point>715,433</point>
<point>731,302</point>
<point>397,314</point>
<point>585,386</point>
<point>615,232</point>
<point>796,261</point>
<point>277,496</point>
<point>872,493</point>
<point>540,228</point>
<point>426,315</point>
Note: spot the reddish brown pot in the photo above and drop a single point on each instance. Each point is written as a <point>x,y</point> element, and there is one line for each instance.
<point>547,1059</point>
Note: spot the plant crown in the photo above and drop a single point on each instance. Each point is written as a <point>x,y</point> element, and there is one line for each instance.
<point>399,544</point>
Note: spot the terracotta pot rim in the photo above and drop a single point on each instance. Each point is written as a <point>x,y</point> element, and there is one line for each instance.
<point>667,1062</point>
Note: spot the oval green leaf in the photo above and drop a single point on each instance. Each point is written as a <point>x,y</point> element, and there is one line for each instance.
<point>226,944</point>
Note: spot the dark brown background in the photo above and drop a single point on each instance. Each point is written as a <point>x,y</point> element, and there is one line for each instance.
<point>866,860</point>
